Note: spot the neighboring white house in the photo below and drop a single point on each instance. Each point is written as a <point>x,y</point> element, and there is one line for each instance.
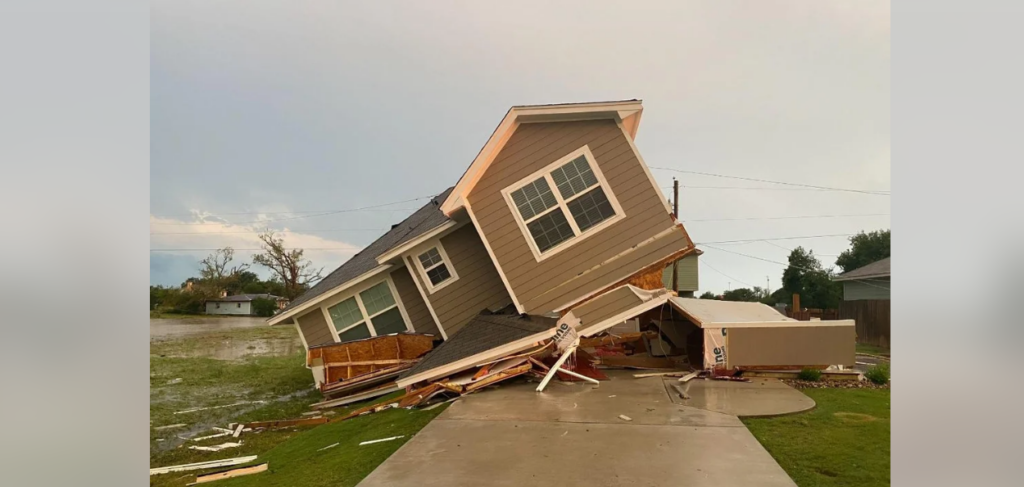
<point>239,304</point>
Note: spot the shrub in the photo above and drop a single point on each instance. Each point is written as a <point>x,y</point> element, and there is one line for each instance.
<point>264,307</point>
<point>879,374</point>
<point>810,375</point>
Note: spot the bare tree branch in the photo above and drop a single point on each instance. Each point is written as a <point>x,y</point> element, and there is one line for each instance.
<point>289,266</point>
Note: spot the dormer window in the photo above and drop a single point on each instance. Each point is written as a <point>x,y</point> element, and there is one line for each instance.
<point>435,268</point>
<point>563,203</point>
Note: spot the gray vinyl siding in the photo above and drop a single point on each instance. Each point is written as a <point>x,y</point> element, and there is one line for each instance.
<point>568,275</point>
<point>877,288</point>
<point>419,315</point>
<point>606,306</point>
<point>314,328</point>
<point>478,287</point>
<point>688,278</point>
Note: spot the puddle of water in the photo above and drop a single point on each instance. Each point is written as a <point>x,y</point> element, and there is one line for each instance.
<point>176,328</point>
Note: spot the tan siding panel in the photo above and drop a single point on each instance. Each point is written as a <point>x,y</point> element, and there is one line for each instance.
<point>797,345</point>
<point>610,273</point>
<point>479,286</point>
<point>417,310</point>
<point>315,328</point>
<point>534,146</point>
<point>606,306</point>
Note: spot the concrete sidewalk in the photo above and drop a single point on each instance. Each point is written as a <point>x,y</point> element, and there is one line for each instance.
<point>572,435</point>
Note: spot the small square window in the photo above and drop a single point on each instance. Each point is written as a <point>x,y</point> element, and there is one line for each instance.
<point>436,267</point>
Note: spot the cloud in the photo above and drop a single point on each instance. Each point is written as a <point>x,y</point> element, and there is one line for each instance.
<point>176,242</point>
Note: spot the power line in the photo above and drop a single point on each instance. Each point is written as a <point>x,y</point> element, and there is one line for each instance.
<point>783,264</point>
<point>783,217</point>
<point>703,261</point>
<point>276,231</point>
<point>826,188</point>
<point>759,188</point>
<point>777,238</point>
<point>304,216</point>
<point>211,250</point>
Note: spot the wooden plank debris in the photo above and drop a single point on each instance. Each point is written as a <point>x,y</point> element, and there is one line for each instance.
<point>381,440</point>
<point>688,377</point>
<point>362,396</point>
<point>238,430</point>
<point>625,418</point>
<point>218,435</point>
<point>332,445</point>
<point>676,373</point>
<point>222,446</point>
<point>554,368</point>
<point>238,472</point>
<point>202,465</point>
<point>170,426</point>
<point>281,423</point>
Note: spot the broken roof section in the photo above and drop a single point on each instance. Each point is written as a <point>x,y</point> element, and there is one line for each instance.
<point>422,221</point>
<point>875,269</point>
<point>704,312</point>
<point>485,337</point>
<point>626,111</point>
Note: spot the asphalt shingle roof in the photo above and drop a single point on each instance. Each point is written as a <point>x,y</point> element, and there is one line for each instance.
<point>482,333</point>
<point>423,220</point>
<point>875,269</point>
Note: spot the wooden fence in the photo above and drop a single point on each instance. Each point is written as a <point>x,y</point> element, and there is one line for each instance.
<point>872,317</point>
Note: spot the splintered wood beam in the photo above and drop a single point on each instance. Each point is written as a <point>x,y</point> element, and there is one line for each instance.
<point>554,368</point>
<point>581,376</point>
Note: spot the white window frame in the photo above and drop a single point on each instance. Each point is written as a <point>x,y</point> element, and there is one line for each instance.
<point>431,288</point>
<point>562,203</point>
<point>336,333</point>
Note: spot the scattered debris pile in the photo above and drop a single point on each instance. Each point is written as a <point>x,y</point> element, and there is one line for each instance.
<point>363,369</point>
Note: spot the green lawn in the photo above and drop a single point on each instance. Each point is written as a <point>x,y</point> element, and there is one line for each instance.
<point>286,386</point>
<point>154,314</point>
<point>844,441</point>
<point>873,350</point>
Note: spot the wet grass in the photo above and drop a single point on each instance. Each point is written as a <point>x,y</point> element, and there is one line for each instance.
<point>286,386</point>
<point>844,441</point>
<point>160,315</point>
<point>872,349</point>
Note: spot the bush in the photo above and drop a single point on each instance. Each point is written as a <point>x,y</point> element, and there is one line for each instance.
<point>810,375</point>
<point>879,374</point>
<point>264,307</point>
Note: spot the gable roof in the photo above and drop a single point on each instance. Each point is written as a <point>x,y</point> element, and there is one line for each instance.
<point>243,298</point>
<point>626,111</point>
<point>421,221</point>
<point>875,269</point>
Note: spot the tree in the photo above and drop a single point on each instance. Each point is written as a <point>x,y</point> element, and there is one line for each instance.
<point>743,294</point>
<point>295,272</point>
<point>865,248</point>
<point>708,295</point>
<point>215,271</point>
<point>264,307</point>
<point>805,276</point>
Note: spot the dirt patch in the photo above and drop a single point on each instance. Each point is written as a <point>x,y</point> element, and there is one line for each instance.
<point>854,417</point>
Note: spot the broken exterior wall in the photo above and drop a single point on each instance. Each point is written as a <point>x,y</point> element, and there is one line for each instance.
<point>478,287</point>
<point>601,259</point>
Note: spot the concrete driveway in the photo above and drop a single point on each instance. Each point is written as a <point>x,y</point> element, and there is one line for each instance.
<point>572,435</point>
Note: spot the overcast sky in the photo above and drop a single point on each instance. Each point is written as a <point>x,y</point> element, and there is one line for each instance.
<point>267,113</point>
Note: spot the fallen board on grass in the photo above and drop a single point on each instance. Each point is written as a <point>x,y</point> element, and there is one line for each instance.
<point>238,472</point>
<point>287,423</point>
<point>362,396</point>
<point>202,465</point>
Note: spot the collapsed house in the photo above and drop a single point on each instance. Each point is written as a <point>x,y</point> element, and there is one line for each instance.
<point>555,236</point>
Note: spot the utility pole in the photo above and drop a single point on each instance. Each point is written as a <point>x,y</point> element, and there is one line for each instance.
<point>675,214</point>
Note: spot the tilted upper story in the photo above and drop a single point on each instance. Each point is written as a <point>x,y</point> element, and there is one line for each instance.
<point>558,207</point>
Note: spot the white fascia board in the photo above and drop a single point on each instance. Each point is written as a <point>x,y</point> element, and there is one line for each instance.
<point>411,244</point>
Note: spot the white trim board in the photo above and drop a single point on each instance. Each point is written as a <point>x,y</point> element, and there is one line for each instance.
<point>439,231</point>
<point>562,204</point>
<point>615,110</point>
<point>277,319</point>
<point>494,260</point>
<point>426,301</point>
